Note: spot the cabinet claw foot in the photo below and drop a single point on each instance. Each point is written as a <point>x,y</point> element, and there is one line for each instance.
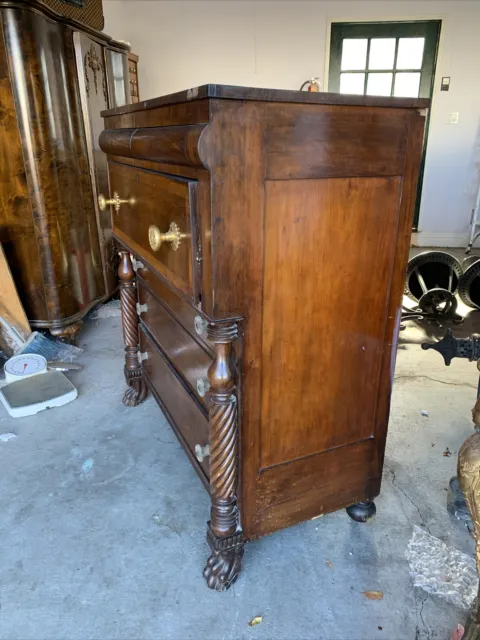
<point>225,563</point>
<point>363,511</point>
<point>67,334</point>
<point>137,389</point>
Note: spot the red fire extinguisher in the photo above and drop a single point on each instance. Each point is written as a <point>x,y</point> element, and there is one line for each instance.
<point>311,85</point>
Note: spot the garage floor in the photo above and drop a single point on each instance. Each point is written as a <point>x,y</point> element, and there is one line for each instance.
<point>103,521</point>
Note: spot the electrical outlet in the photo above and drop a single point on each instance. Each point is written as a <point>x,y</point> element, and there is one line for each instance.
<point>452,117</point>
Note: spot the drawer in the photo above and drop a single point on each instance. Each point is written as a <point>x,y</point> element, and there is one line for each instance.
<point>187,419</point>
<point>186,355</point>
<point>162,208</point>
<point>182,310</point>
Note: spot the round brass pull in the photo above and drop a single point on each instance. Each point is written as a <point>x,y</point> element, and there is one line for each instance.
<point>156,238</point>
<point>116,201</point>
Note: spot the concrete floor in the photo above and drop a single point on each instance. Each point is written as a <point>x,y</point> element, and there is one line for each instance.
<point>103,522</point>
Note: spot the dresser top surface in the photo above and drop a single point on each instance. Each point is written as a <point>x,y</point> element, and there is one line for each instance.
<point>229,92</point>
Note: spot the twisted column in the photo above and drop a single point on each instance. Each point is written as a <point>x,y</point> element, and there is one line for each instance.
<point>224,533</point>
<point>137,388</point>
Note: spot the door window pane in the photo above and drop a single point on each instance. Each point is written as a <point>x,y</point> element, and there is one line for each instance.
<point>410,53</point>
<point>382,53</point>
<point>354,54</point>
<point>379,84</point>
<point>407,85</point>
<point>352,83</point>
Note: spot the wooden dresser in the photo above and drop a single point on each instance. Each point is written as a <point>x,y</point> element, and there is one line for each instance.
<point>56,76</point>
<point>264,239</point>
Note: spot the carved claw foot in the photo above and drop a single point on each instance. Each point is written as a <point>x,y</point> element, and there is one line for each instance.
<point>137,389</point>
<point>225,563</point>
<point>67,334</point>
<point>363,511</point>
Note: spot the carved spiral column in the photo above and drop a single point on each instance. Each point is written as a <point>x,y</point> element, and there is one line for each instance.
<point>137,388</point>
<point>224,532</point>
<point>468,472</point>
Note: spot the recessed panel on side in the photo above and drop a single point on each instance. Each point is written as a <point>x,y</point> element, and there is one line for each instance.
<point>329,252</point>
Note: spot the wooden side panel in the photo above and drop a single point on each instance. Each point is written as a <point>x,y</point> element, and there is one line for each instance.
<point>308,141</point>
<point>290,494</point>
<point>17,232</point>
<point>328,267</point>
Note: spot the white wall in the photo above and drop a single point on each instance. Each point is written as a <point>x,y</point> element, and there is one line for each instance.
<point>282,43</point>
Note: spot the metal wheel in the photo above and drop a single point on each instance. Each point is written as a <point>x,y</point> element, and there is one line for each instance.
<point>468,261</point>
<point>432,270</point>
<point>438,302</point>
<point>469,286</point>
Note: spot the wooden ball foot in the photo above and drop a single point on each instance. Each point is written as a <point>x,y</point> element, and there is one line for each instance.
<point>363,511</point>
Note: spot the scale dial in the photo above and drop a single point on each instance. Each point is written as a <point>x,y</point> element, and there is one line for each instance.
<point>24,366</point>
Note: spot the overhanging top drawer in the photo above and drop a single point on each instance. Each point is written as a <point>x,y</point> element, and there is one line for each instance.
<point>159,224</point>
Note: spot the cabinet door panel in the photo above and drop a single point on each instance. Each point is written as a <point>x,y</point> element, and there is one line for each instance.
<point>94,94</point>
<point>329,251</point>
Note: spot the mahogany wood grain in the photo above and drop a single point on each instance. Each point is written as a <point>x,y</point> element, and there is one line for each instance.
<point>292,493</point>
<point>181,409</point>
<point>303,214</point>
<point>185,354</point>
<point>376,149</point>
<point>257,94</point>
<point>178,306</point>
<point>323,339</point>
<point>233,149</point>
<point>197,112</point>
<point>173,145</point>
<point>195,173</point>
<point>57,170</point>
<point>159,201</point>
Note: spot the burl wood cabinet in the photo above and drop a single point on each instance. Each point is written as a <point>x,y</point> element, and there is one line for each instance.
<point>56,76</point>
<point>264,239</point>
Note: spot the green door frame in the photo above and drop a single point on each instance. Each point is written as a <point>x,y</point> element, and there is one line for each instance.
<point>428,29</point>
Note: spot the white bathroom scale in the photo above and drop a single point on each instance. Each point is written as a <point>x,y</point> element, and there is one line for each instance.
<point>30,395</point>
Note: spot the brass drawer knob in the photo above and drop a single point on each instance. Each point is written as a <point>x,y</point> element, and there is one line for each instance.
<point>200,326</point>
<point>116,201</point>
<point>156,238</point>
<point>203,385</point>
<point>202,452</point>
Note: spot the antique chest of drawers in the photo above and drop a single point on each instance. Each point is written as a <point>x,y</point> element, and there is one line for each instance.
<point>264,237</point>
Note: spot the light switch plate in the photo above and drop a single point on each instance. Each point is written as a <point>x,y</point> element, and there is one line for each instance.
<point>452,117</point>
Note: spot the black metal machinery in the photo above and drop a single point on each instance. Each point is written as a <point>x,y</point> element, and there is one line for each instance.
<point>434,279</point>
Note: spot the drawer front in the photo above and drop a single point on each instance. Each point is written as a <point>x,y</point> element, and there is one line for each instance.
<point>187,315</point>
<point>183,413</point>
<point>186,355</point>
<point>159,224</point>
